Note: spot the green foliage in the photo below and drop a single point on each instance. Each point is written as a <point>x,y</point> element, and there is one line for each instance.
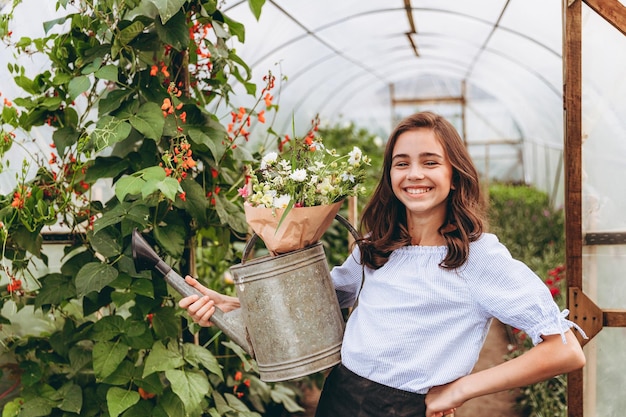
<point>534,232</point>
<point>130,95</point>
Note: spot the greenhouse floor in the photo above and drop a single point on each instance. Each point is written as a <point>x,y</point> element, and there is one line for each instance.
<point>496,405</point>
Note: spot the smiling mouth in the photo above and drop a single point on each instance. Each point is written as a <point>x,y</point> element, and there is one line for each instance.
<point>418,190</point>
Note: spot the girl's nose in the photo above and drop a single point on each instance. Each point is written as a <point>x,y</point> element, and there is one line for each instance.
<point>415,173</point>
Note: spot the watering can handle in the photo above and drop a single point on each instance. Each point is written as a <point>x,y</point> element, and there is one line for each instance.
<point>252,241</point>
<point>230,323</point>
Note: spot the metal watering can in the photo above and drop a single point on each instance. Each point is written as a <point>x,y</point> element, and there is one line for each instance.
<point>289,321</point>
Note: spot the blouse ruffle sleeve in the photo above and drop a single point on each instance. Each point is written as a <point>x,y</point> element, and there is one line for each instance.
<point>347,279</point>
<point>508,290</point>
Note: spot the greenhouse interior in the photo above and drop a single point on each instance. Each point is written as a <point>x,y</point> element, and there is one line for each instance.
<point>150,114</point>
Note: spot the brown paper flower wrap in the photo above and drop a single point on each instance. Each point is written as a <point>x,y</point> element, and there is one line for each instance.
<point>301,227</point>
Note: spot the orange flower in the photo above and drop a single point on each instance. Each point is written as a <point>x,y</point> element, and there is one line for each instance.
<point>261,116</point>
<point>183,117</point>
<point>268,99</point>
<point>145,394</point>
<point>183,196</point>
<point>189,163</point>
<point>7,102</point>
<point>154,70</point>
<point>165,71</point>
<point>167,104</point>
<point>15,285</point>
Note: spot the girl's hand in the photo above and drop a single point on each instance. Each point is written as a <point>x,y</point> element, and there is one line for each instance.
<point>442,401</point>
<point>200,309</point>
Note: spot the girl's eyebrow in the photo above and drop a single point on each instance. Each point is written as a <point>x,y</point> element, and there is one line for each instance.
<point>421,155</point>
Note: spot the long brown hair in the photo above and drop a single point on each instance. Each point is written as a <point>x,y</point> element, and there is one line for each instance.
<point>384,223</point>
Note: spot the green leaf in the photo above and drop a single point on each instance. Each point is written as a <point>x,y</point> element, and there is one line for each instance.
<point>107,328</point>
<point>256,6</point>
<point>143,287</point>
<point>52,23</point>
<point>235,403</point>
<point>125,373</point>
<point>130,184</point>
<point>121,298</point>
<point>112,101</point>
<point>108,72</point>
<point>171,405</point>
<point>107,356</point>
<point>37,407</point>
<point>65,137</point>
<point>200,356</point>
<point>108,167</point>
<point>167,8</point>
<point>72,398</point>
<point>162,358</point>
<point>152,173</point>
<point>198,136</point>
<point>124,212</point>
<point>104,243</point>
<point>172,239</point>
<point>190,386</point>
<point>175,32</point>
<point>92,66</point>
<point>237,29</point>
<point>55,288</point>
<point>31,373</point>
<point>196,203</point>
<point>166,323</point>
<point>169,187</point>
<point>119,400</point>
<point>285,396</point>
<point>152,383</point>
<point>80,358</point>
<point>31,241</point>
<point>230,214</point>
<point>130,32</point>
<point>77,86</point>
<point>93,277</point>
<point>149,121</point>
<point>109,130</point>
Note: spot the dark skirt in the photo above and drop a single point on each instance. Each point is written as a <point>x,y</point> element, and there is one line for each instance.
<point>347,394</point>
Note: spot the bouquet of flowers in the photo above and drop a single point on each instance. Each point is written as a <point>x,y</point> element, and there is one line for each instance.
<point>294,193</point>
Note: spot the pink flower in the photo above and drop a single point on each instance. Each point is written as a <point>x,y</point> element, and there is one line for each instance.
<point>243,191</point>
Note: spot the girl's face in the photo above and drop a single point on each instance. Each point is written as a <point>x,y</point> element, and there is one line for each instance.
<point>421,175</point>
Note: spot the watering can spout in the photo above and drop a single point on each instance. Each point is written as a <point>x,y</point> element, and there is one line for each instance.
<point>230,323</point>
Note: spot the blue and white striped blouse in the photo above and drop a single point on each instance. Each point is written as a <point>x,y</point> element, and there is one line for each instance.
<point>418,325</point>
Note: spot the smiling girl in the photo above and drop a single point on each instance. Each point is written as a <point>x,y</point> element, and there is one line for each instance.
<point>429,281</point>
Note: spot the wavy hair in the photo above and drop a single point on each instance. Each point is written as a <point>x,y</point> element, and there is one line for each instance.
<point>384,222</point>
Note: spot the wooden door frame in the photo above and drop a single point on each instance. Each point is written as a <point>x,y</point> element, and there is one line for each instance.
<point>582,309</point>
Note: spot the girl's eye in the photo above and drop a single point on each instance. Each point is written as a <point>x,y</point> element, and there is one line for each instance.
<point>431,163</point>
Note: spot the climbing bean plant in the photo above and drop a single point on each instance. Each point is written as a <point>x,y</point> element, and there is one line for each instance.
<point>131,97</point>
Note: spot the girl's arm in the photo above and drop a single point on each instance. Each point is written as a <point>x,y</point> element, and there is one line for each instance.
<point>549,358</point>
<point>200,309</point>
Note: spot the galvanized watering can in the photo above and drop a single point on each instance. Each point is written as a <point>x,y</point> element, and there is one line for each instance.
<point>289,320</point>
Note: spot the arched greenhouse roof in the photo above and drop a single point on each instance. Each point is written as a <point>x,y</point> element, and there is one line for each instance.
<point>493,67</point>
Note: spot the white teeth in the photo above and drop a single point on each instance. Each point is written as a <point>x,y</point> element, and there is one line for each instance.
<point>417,190</point>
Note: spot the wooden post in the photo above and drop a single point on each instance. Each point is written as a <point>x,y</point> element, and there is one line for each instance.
<point>572,86</point>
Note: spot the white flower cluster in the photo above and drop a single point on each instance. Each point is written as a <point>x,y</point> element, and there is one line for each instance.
<point>305,175</point>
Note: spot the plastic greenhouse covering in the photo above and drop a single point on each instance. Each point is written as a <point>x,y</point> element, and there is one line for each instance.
<point>497,62</point>
<point>493,67</point>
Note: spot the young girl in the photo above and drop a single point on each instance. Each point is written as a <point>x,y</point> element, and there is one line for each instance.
<point>429,281</point>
